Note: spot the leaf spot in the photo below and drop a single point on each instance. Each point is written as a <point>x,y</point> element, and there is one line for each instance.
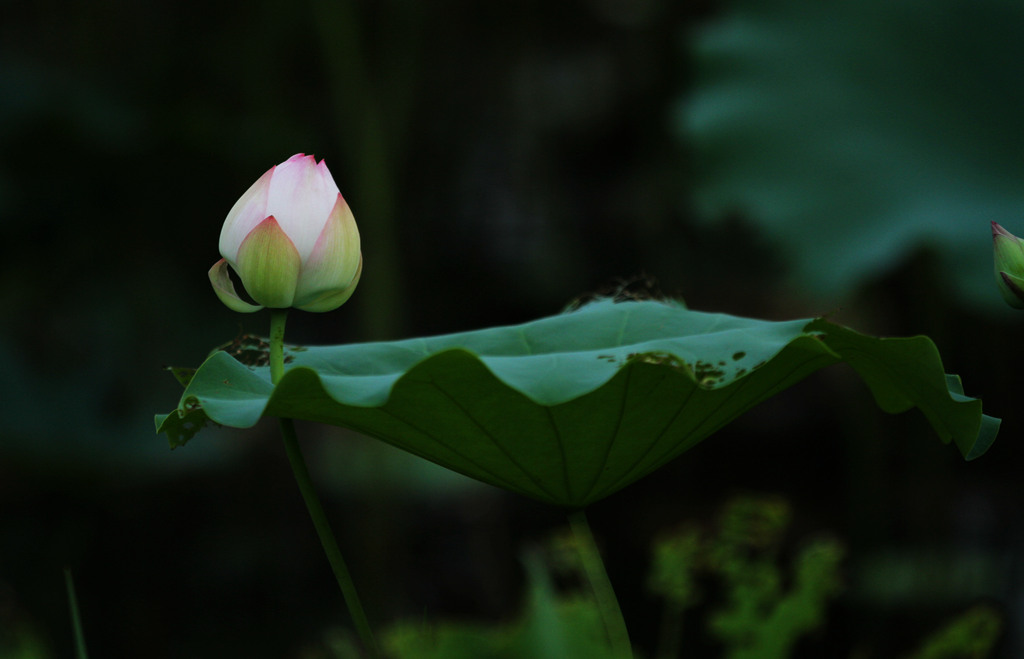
<point>705,372</point>
<point>657,358</point>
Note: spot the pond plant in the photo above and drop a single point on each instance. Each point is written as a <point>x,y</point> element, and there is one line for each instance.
<point>566,409</point>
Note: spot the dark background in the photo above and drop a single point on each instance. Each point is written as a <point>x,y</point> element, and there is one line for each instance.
<point>501,159</point>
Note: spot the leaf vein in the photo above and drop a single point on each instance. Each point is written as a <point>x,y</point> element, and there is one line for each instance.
<point>487,433</point>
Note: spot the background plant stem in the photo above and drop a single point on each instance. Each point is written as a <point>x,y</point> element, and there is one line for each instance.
<point>76,618</point>
<point>316,511</point>
<point>607,603</point>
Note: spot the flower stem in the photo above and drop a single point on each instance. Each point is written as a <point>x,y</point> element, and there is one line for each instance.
<point>316,511</point>
<point>277,321</point>
<point>604,594</point>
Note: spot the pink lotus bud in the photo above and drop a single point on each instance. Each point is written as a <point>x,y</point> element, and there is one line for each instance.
<point>292,240</point>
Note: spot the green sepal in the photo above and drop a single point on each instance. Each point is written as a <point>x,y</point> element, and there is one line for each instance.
<point>334,299</point>
<point>1012,289</point>
<point>269,265</point>
<point>220,277</point>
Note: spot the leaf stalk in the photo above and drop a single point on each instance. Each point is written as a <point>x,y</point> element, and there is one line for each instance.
<point>312,501</point>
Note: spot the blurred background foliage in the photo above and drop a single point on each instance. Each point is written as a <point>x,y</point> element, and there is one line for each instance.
<point>855,133</point>
<point>773,159</point>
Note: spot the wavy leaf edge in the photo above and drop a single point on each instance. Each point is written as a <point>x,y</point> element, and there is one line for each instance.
<point>253,394</point>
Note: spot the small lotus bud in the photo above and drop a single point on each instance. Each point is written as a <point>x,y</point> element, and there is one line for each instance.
<point>292,241</point>
<point>1009,261</point>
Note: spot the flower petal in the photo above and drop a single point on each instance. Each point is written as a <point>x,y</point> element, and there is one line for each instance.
<point>248,211</point>
<point>269,265</point>
<point>332,300</point>
<point>335,257</point>
<point>225,289</point>
<point>301,198</point>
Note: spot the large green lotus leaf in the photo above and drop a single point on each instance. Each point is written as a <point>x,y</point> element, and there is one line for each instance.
<point>853,132</point>
<point>571,408</point>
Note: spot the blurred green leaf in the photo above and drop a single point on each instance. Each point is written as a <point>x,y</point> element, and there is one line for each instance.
<point>972,635</point>
<point>551,627</point>
<point>855,131</point>
<point>674,563</point>
<point>569,409</point>
<point>764,608</point>
<point>763,620</point>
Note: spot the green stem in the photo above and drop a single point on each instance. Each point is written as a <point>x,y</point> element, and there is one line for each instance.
<point>604,594</point>
<point>277,321</point>
<point>76,619</point>
<point>316,510</point>
<point>327,539</point>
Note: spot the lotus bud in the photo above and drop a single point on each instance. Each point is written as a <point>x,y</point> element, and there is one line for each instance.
<point>292,241</point>
<point>1009,260</point>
